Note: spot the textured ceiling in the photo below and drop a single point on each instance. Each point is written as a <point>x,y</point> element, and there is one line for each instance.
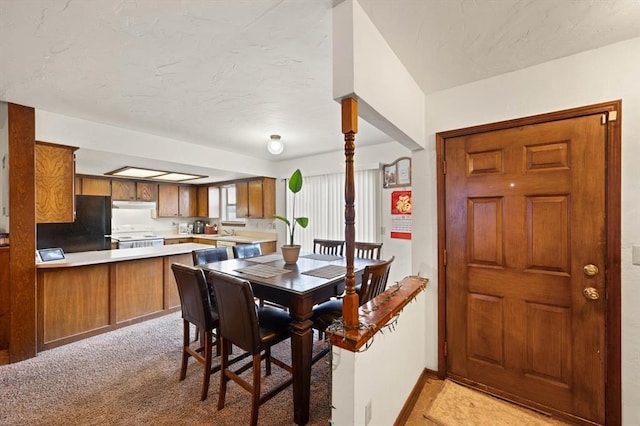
<point>229,73</point>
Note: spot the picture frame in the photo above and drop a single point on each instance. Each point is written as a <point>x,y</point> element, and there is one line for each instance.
<point>397,174</point>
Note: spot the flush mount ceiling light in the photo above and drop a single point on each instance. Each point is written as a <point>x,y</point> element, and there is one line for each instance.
<point>275,145</point>
<point>142,173</point>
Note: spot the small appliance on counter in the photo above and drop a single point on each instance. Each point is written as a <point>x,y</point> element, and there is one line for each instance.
<point>183,228</point>
<point>198,227</point>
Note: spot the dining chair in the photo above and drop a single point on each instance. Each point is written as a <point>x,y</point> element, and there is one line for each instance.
<point>367,250</point>
<point>253,329</point>
<point>209,255</point>
<point>331,247</point>
<point>198,310</point>
<point>374,281</point>
<point>241,251</point>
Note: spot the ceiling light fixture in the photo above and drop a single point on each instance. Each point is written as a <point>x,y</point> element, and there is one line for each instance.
<point>275,145</point>
<point>142,173</point>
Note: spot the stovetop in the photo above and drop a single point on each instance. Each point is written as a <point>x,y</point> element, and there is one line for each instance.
<point>133,233</point>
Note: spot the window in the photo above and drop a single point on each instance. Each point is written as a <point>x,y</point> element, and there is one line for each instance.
<point>322,201</point>
<point>228,199</point>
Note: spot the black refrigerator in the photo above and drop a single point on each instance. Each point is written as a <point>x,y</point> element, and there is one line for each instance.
<point>90,231</point>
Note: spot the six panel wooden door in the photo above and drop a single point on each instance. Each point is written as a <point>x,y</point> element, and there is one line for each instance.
<point>525,249</point>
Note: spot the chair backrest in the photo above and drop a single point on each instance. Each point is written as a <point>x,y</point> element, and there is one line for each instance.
<point>374,280</point>
<point>208,255</point>
<point>246,250</point>
<point>194,296</point>
<point>367,250</point>
<point>238,321</point>
<point>334,247</point>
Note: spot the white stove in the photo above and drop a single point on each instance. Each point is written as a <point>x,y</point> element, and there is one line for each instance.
<point>131,236</point>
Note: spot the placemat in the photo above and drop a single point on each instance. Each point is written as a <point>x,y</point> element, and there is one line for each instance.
<point>266,258</point>
<point>318,256</point>
<point>329,271</point>
<point>262,271</point>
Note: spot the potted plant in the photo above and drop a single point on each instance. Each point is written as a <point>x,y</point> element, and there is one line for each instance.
<point>291,251</point>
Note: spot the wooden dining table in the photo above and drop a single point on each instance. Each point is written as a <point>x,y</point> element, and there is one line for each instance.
<point>315,278</point>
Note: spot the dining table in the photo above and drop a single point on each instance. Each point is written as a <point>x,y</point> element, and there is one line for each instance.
<point>313,279</point>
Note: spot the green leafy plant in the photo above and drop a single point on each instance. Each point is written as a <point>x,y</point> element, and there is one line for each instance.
<point>295,185</point>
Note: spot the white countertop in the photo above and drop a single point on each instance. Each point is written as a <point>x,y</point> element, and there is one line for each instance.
<point>247,239</point>
<point>109,256</point>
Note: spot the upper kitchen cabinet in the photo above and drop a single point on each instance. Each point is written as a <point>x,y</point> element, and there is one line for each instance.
<point>256,198</point>
<point>55,179</point>
<point>91,185</point>
<point>128,190</point>
<point>209,201</point>
<point>177,201</point>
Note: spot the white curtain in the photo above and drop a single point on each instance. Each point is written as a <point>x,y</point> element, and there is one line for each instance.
<point>322,201</point>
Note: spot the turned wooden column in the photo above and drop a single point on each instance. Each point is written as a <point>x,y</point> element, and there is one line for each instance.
<point>350,302</point>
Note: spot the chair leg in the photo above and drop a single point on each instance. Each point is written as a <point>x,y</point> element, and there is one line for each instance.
<point>267,361</point>
<point>208,354</point>
<point>255,400</point>
<point>197,336</point>
<point>185,344</point>
<point>224,359</point>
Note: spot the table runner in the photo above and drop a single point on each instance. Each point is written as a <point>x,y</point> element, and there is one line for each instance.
<point>328,272</point>
<point>318,256</point>
<point>266,258</point>
<point>263,271</point>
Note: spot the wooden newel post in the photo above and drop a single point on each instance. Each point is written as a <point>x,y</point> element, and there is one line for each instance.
<point>350,302</point>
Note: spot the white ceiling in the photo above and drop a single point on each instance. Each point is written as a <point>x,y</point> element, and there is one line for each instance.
<point>229,73</point>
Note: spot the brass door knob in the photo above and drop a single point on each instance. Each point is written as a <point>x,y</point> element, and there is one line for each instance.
<point>591,293</point>
<point>590,270</point>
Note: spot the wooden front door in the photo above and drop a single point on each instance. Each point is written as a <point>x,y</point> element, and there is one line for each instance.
<point>525,240</point>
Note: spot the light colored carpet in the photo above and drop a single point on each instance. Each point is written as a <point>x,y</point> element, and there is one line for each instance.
<point>457,405</point>
<point>130,376</point>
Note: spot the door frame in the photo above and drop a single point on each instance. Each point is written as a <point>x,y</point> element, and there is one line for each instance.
<point>613,337</point>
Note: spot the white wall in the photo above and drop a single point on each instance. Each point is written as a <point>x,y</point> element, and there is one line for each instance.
<point>600,75</point>
<point>385,373</point>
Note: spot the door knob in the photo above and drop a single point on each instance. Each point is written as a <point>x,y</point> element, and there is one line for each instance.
<point>591,293</point>
<point>590,270</point>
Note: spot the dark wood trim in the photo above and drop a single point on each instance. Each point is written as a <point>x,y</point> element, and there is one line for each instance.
<point>22,219</point>
<point>411,401</point>
<point>376,313</point>
<point>613,356</point>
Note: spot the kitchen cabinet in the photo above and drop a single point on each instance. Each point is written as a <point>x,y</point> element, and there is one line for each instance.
<point>91,185</point>
<point>55,181</point>
<point>209,202</point>
<point>177,201</point>
<point>256,198</point>
<point>129,190</point>
<point>209,241</point>
<point>170,241</point>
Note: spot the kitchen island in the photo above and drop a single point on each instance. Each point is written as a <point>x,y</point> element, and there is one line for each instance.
<point>89,293</point>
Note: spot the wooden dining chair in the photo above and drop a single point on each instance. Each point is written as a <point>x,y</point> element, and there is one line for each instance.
<point>374,281</point>
<point>367,250</point>
<point>253,329</point>
<point>242,251</point>
<point>331,247</point>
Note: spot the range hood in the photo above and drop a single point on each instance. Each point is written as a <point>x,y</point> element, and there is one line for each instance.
<point>134,205</point>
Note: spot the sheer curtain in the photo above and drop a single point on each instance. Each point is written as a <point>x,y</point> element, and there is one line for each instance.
<point>322,201</point>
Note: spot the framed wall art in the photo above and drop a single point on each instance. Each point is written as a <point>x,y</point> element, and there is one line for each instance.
<point>397,174</point>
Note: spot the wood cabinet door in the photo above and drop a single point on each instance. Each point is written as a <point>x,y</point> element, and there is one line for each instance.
<point>255,198</point>
<point>268,197</point>
<point>187,206</point>
<point>123,190</point>
<point>202,201</point>
<point>55,179</point>
<point>96,186</point>
<point>167,200</point>
<point>146,191</point>
<point>242,199</point>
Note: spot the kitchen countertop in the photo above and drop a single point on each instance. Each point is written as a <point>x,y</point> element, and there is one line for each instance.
<point>245,239</point>
<point>108,256</point>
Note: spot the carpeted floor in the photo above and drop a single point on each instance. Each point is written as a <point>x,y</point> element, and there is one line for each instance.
<point>130,376</point>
